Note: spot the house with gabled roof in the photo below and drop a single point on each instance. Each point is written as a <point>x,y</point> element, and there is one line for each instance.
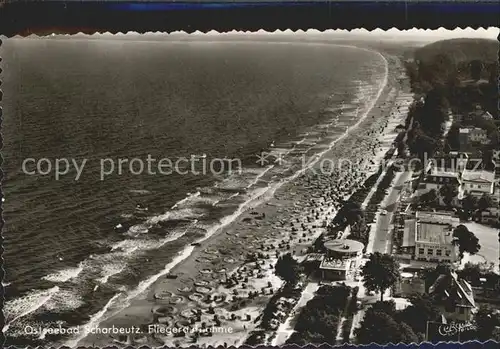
<point>480,112</point>
<point>454,297</point>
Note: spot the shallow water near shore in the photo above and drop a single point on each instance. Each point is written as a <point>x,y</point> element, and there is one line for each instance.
<point>198,100</point>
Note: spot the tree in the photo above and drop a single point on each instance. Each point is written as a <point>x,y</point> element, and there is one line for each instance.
<point>435,112</point>
<point>486,320</point>
<point>380,272</point>
<point>319,319</point>
<point>448,192</point>
<point>471,272</point>
<point>319,243</point>
<point>359,227</point>
<point>288,268</point>
<point>476,67</point>
<point>388,307</point>
<point>422,144</point>
<point>421,310</point>
<point>377,327</point>
<point>485,202</point>
<point>466,240</point>
<point>431,274</point>
<point>469,204</point>
<point>350,214</point>
<point>453,136</point>
<point>380,327</point>
<point>407,334</point>
<point>429,198</point>
<point>268,314</point>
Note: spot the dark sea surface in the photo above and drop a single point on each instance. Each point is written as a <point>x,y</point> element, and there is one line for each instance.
<point>71,245</point>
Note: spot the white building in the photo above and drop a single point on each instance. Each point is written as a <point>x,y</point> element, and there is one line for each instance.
<point>478,183</point>
<point>472,135</point>
<point>429,237</point>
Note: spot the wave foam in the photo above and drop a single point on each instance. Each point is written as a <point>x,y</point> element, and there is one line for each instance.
<point>65,274</point>
<point>27,304</point>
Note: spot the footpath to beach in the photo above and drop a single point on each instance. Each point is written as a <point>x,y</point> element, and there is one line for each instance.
<point>227,280</point>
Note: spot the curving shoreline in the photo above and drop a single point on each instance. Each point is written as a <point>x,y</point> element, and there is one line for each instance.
<point>229,236</point>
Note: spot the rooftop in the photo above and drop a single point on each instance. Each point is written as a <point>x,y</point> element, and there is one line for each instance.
<point>437,217</point>
<point>453,288</point>
<point>430,227</point>
<point>440,173</point>
<point>478,176</point>
<point>409,233</point>
<point>434,233</point>
<point>344,245</point>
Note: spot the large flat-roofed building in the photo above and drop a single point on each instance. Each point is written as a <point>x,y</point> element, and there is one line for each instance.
<point>429,237</point>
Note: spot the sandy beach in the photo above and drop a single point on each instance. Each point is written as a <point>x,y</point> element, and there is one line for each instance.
<point>228,279</point>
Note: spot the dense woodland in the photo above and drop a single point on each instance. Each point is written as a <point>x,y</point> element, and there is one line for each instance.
<point>451,77</point>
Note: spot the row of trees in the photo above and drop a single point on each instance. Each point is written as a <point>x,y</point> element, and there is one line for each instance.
<point>352,214</point>
<point>428,119</point>
<point>318,321</point>
<point>473,273</point>
<point>380,272</point>
<point>471,204</point>
<point>290,271</point>
<point>384,324</point>
<point>443,81</point>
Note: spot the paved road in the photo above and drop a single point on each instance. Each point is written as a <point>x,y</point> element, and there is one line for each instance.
<point>382,234</point>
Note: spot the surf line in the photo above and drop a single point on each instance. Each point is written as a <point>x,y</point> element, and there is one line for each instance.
<point>145,284</point>
<point>46,295</point>
<point>268,192</point>
<point>356,125</point>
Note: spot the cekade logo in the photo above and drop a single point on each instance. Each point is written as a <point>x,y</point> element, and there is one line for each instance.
<point>454,328</point>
